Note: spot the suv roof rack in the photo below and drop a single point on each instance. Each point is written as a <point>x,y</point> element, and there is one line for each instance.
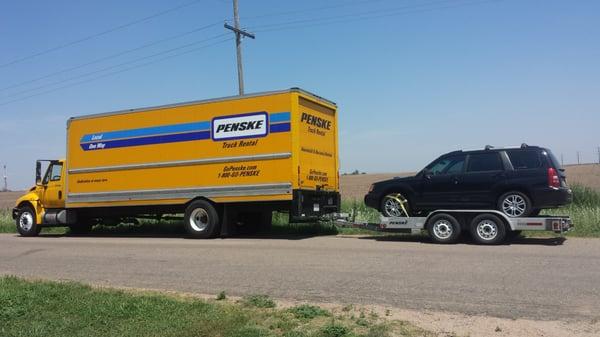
<point>522,146</point>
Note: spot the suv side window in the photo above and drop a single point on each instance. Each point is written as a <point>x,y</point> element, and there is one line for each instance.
<point>485,162</point>
<point>524,159</point>
<point>450,165</point>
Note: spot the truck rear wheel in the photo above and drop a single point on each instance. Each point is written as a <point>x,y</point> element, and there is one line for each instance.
<point>26,222</point>
<point>488,229</point>
<point>443,228</point>
<point>201,220</point>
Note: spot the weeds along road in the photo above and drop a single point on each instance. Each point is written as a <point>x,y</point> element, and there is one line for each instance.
<point>534,278</point>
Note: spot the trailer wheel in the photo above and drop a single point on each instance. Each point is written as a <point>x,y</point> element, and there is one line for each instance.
<point>488,229</point>
<point>201,220</point>
<point>443,228</point>
<point>26,222</point>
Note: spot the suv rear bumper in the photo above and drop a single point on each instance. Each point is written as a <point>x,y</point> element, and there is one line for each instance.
<point>15,213</point>
<point>550,197</point>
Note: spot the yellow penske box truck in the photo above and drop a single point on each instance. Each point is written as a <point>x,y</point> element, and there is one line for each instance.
<point>223,163</point>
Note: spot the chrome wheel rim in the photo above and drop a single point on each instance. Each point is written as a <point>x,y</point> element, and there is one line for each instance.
<point>199,219</point>
<point>487,229</point>
<point>26,221</point>
<point>442,229</point>
<point>514,205</point>
<point>392,207</point>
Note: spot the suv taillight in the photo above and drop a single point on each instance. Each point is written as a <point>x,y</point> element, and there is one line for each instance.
<point>553,178</point>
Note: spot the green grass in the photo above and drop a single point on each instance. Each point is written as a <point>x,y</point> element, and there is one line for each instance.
<point>40,308</point>
<point>584,212</point>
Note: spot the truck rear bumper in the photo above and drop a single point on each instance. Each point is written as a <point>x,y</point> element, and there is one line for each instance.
<point>308,205</point>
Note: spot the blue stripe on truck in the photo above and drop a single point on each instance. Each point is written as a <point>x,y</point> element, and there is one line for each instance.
<point>279,122</point>
<point>161,139</point>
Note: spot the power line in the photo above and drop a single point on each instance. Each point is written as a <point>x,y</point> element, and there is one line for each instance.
<point>366,15</point>
<point>306,10</point>
<point>108,31</point>
<point>150,44</point>
<point>116,66</point>
<point>118,72</point>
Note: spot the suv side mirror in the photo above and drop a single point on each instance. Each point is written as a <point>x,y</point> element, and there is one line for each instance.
<point>38,173</point>
<point>426,173</point>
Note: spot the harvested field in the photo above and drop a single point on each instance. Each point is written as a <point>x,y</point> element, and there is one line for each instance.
<point>7,199</point>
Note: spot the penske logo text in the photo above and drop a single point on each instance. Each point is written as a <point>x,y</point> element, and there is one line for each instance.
<point>240,126</point>
<point>316,121</point>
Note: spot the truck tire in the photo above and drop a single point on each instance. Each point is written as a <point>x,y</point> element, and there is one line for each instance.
<point>26,222</point>
<point>488,229</point>
<point>515,204</point>
<point>201,220</point>
<point>443,228</point>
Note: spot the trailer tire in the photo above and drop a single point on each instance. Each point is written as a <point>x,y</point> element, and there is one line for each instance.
<point>26,222</point>
<point>443,228</point>
<point>201,220</point>
<point>488,229</point>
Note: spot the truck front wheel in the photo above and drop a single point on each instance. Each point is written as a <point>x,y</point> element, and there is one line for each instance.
<point>201,220</point>
<point>26,222</point>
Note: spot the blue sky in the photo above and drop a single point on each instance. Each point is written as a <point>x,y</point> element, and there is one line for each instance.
<point>412,79</point>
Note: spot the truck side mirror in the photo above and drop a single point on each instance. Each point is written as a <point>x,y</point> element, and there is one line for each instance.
<point>38,173</point>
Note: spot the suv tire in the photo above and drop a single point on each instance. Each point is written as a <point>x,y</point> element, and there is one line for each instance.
<point>390,207</point>
<point>514,204</point>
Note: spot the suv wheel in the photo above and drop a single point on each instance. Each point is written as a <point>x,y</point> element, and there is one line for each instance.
<point>394,205</point>
<point>515,204</point>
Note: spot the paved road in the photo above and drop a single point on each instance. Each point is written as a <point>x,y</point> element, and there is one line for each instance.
<point>535,279</point>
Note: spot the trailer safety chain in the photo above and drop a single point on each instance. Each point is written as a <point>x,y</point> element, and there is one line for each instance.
<point>401,201</point>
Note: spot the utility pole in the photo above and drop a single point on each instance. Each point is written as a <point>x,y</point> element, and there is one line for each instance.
<point>562,160</point>
<point>598,154</point>
<point>5,180</point>
<point>238,44</point>
<point>578,162</point>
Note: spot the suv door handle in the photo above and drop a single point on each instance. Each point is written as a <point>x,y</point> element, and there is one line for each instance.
<point>455,181</point>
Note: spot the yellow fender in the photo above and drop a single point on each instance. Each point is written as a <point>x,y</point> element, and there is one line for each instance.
<point>33,199</point>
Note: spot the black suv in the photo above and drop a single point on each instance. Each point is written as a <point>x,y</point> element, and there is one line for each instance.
<point>516,181</point>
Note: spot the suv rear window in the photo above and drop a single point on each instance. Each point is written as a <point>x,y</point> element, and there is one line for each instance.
<point>524,159</point>
<point>483,162</point>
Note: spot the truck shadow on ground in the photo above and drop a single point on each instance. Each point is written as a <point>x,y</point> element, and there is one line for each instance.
<point>466,239</point>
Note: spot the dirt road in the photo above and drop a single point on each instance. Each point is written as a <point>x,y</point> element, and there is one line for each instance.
<point>535,279</point>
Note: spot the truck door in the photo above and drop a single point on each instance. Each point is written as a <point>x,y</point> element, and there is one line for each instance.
<point>53,183</point>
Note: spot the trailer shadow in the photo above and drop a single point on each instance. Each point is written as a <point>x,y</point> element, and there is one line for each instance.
<point>466,239</point>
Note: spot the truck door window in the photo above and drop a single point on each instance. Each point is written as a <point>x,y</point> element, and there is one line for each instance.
<point>56,172</point>
<point>53,173</point>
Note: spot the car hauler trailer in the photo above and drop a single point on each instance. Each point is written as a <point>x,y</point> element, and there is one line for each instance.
<point>445,226</point>
<point>219,162</point>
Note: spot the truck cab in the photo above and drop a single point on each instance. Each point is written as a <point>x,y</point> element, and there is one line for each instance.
<point>45,202</point>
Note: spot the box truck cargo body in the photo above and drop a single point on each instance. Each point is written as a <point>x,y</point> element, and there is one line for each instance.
<point>245,155</point>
